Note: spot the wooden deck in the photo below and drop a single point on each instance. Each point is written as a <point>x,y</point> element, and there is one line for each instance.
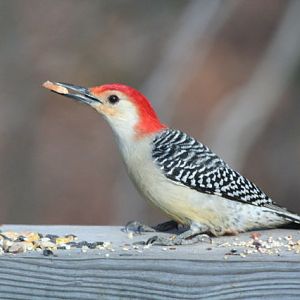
<point>229,268</point>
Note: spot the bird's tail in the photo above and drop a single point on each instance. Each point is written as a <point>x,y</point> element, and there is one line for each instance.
<point>292,218</point>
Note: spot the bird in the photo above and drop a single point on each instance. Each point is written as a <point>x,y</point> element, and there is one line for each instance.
<point>177,173</point>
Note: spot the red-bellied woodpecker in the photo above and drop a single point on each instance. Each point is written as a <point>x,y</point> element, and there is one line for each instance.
<point>177,173</point>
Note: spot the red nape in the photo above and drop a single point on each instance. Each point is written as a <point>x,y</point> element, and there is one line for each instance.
<point>149,122</point>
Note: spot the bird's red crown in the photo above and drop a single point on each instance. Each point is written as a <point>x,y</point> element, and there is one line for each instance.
<point>148,119</point>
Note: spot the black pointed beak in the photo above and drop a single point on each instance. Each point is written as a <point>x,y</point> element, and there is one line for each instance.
<point>77,93</point>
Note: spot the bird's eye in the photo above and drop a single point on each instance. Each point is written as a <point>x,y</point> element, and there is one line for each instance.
<point>113,99</point>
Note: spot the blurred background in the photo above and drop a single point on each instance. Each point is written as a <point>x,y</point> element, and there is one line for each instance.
<point>226,72</point>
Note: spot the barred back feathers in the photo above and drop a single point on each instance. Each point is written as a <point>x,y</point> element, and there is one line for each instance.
<point>186,161</point>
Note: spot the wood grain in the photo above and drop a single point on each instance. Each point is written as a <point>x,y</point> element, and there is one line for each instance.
<point>189,272</point>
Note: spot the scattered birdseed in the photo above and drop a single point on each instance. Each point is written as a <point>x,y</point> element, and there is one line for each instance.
<point>255,235</point>
<point>51,236</point>
<point>267,246</point>
<point>20,247</point>
<point>20,242</point>
<point>61,247</point>
<point>6,245</point>
<point>224,245</point>
<point>232,252</point>
<point>64,240</point>
<point>48,252</point>
<point>44,239</point>
<point>106,244</point>
<point>71,236</point>
<point>9,235</point>
<point>91,245</point>
<point>44,245</point>
<point>84,248</point>
<point>257,244</point>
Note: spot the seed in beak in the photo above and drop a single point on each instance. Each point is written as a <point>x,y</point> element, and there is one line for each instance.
<point>55,88</point>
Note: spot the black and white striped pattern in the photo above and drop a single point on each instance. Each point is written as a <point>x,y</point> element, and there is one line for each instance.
<point>184,160</point>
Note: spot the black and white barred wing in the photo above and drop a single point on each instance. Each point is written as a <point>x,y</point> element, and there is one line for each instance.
<point>186,161</point>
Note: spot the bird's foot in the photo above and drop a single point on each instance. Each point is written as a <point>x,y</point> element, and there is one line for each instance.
<point>137,227</point>
<point>186,238</point>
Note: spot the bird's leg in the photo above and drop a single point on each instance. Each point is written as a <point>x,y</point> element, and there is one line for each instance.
<point>192,236</point>
<point>137,227</point>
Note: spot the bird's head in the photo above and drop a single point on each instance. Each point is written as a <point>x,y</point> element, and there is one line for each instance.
<point>127,110</point>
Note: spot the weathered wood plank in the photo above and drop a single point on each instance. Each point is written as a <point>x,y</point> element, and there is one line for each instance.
<point>188,272</point>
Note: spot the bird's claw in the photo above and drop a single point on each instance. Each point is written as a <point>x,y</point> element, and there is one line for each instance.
<point>160,241</point>
<point>137,227</point>
<point>178,240</point>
